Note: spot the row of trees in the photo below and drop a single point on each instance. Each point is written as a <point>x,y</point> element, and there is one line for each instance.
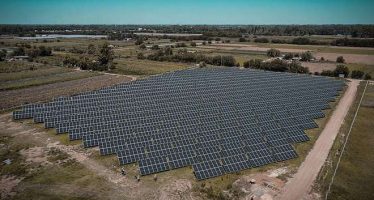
<point>306,41</point>
<point>342,69</point>
<point>31,51</point>
<point>121,31</point>
<point>182,55</point>
<point>276,65</point>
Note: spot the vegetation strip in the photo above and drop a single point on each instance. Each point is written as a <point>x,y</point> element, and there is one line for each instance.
<point>346,140</point>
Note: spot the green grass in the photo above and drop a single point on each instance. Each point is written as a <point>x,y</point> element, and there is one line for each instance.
<point>362,67</point>
<point>18,66</point>
<point>4,77</point>
<point>355,177</point>
<point>146,67</point>
<point>48,79</point>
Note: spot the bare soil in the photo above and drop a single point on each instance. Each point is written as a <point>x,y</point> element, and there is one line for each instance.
<point>349,58</point>
<point>300,185</point>
<point>248,47</point>
<point>14,98</point>
<point>318,67</point>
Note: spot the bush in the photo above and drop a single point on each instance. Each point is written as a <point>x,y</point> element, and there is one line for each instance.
<point>327,73</point>
<point>155,47</point>
<point>142,46</point>
<point>341,69</point>
<point>340,59</point>
<point>357,74</point>
<point>140,56</point>
<point>288,56</point>
<point>306,56</point>
<point>242,39</point>
<point>246,64</point>
<point>301,41</point>
<point>193,44</point>
<point>261,40</point>
<point>273,53</point>
<point>367,77</point>
<point>255,63</point>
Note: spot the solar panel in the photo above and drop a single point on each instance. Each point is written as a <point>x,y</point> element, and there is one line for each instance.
<point>217,120</point>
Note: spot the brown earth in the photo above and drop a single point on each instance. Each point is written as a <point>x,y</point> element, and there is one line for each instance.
<point>349,58</point>
<point>318,67</point>
<point>249,48</point>
<point>300,185</point>
<point>14,98</point>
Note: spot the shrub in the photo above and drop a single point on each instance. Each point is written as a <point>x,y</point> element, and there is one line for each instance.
<point>340,59</point>
<point>242,39</point>
<point>193,44</point>
<point>273,53</point>
<point>288,56</point>
<point>306,56</point>
<point>246,64</point>
<point>367,77</point>
<point>140,56</point>
<point>357,74</point>
<point>261,40</point>
<point>341,69</point>
<point>327,73</point>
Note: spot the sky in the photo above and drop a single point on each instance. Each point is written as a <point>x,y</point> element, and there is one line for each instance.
<point>186,12</point>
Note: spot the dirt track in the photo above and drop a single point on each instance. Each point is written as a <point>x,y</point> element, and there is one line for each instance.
<point>298,187</point>
<point>18,97</point>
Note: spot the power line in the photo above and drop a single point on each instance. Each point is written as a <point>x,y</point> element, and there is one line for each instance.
<point>346,140</point>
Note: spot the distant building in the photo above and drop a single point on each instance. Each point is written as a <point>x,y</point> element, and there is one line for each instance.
<point>18,58</point>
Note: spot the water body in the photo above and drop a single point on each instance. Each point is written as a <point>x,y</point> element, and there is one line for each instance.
<point>54,36</point>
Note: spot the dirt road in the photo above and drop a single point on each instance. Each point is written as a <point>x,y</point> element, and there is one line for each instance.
<point>302,181</point>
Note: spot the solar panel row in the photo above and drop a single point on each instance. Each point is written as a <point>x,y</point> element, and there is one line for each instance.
<point>219,120</point>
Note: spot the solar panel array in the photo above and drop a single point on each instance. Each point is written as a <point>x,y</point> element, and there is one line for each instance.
<point>219,120</point>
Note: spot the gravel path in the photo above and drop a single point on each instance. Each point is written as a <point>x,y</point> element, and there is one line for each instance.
<point>302,181</point>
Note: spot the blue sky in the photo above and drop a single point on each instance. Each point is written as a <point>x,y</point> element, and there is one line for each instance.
<point>186,12</point>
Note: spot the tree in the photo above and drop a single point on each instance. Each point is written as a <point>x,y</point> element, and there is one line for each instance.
<point>306,56</point>
<point>20,51</point>
<point>340,59</point>
<point>341,69</point>
<point>139,41</point>
<point>255,63</point>
<point>357,74</point>
<point>141,56</point>
<point>3,53</point>
<point>91,49</point>
<point>367,77</point>
<point>142,46</point>
<point>288,56</point>
<point>246,64</point>
<point>273,53</point>
<point>45,51</point>
<point>106,55</point>
<point>155,47</point>
<point>242,39</point>
<point>327,73</point>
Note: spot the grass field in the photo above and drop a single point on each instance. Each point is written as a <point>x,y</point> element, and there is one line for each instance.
<point>146,67</point>
<point>355,177</point>
<point>10,81</point>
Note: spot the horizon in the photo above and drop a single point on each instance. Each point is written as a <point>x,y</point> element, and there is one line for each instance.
<point>194,12</point>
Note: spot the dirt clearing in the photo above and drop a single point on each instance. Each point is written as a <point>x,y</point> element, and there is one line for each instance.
<point>13,98</point>
<point>349,58</point>
<point>299,186</point>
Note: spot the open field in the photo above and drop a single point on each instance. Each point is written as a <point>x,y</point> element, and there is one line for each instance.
<point>146,67</point>
<point>354,177</point>
<point>12,98</point>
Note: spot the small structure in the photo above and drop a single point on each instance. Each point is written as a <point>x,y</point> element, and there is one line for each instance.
<point>18,58</point>
<point>252,181</point>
